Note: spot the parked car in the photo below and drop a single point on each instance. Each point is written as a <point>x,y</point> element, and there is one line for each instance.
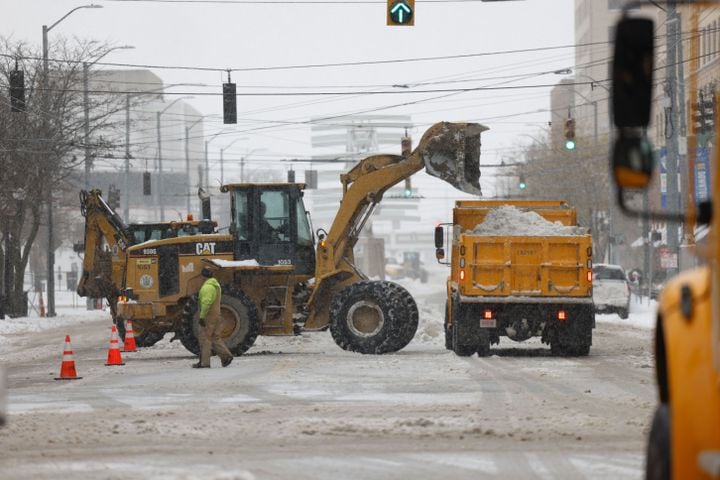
<point>611,290</point>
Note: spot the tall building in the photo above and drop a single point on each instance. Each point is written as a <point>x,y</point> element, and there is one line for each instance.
<point>154,133</point>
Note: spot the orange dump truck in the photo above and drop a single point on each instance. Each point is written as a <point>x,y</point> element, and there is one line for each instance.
<point>519,269</point>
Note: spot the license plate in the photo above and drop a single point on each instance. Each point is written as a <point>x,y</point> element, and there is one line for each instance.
<point>488,323</point>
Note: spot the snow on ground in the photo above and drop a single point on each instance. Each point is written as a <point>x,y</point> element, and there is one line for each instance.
<point>643,314</point>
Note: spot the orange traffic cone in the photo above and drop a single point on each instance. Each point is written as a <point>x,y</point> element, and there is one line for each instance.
<point>67,369</point>
<point>129,345</point>
<point>114,357</point>
<point>42,305</point>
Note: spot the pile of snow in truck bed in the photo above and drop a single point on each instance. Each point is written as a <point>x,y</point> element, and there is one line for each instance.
<point>508,220</point>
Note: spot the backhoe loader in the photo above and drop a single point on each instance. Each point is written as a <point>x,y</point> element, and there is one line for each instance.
<point>280,279</point>
<point>107,238</point>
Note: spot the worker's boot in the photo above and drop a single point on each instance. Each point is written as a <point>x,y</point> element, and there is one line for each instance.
<point>200,365</point>
<point>226,362</point>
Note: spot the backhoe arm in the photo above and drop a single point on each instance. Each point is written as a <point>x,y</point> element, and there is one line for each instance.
<point>102,270</point>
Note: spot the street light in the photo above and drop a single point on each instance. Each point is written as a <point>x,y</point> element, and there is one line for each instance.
<point>222,168</point>
<point>86,108</point>
<point>51,252</point>
<point>207,164</point>
<point>187,160</point>
<point>242,162</point>
<point>159,154</point>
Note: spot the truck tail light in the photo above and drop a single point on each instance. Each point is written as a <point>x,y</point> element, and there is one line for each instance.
<point>488,314</point>
<point>462,274</point>
<point>561,315</point>
<point>589,275</point>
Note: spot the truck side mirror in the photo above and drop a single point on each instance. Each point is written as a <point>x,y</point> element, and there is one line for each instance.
<point>440,253</point>
<point>439,237</point>
<point>632,160</point>
<point>632,72</point>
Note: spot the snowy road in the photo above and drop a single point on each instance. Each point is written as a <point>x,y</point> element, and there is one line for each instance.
<point>302,408</point>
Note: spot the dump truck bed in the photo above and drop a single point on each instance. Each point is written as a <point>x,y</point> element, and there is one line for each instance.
<point>522,266</point>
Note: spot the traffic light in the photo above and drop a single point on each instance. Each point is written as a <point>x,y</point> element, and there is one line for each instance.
<point>113,197</point>
<point>406,149</point>
<point>401,12</point>
<point>570,134</point>
<point>147,190</point>
<point>704,115</point>
<point>229,103</point>
<point>521,182</point>
<point>17,90</point>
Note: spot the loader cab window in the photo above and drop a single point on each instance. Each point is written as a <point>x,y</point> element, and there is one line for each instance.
<point>274,221</point>
<point>242,225</point>
<point>303,226</point>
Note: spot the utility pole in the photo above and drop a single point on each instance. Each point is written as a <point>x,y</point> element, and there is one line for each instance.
<point>86,113</point>
<point>126,177</point>
<point>51,240</point>
<point>672,138</point>
<point>160,170</point>
<point>187,169</point>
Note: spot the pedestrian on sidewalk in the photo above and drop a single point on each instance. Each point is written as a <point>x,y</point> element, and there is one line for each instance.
<point>209,299</point>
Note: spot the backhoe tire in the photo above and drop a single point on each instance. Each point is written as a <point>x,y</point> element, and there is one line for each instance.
<point>373,317</point>
<point>657,460</point>
<point>241,323</point>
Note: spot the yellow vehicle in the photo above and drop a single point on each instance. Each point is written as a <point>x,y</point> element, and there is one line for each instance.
<point>107,238</point>
<point>517,284</point>
<point>684,441</point>
<point>278,278</point>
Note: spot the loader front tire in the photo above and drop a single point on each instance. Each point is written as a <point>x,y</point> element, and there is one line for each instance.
<point>239,317</point>
<point>143,338</point>
<point>373,317</point>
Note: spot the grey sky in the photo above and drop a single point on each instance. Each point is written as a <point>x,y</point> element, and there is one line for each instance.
<point>270,35</point>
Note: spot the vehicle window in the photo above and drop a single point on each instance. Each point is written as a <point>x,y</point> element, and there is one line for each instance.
<point>304,233</point>
<point>276,219</point>
<point>241,215</point>
<point>609,274</point>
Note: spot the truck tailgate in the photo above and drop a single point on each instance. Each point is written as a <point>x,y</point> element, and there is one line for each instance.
<point>527,266</point>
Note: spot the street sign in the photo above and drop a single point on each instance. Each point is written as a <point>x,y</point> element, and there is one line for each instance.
<point>401,12</point>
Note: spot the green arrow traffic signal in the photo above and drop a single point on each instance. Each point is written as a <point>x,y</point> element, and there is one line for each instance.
<point>400,12</point>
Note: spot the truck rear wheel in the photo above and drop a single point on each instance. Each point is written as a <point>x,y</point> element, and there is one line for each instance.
<point>448,329</point>
<point>657,465</point>
<point>459,346</point>
<point>373,317</point>
<point>239,317</point>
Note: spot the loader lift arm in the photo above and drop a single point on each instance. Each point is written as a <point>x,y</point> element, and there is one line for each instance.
<point>450,151</point>
<point>101,269</point>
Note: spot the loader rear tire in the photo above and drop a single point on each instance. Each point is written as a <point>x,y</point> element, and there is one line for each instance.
<point>373,317</point>
<point>241,324</point>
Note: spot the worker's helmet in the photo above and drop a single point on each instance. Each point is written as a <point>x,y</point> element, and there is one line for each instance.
<point>206,272</point>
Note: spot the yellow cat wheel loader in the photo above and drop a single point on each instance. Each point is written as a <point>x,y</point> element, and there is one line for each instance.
<point>278,277</point>
<point>107,239</point>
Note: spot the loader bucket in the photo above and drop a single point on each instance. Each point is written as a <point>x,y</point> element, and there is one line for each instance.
<point>451,152</point>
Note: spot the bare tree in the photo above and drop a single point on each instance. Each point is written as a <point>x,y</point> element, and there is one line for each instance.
<point>580,176</point>
<point>41,147</point>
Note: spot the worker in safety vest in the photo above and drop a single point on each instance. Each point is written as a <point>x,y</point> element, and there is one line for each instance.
<point>209,332</point>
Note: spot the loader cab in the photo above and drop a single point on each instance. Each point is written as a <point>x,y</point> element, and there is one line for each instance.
<point>270,225</point>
